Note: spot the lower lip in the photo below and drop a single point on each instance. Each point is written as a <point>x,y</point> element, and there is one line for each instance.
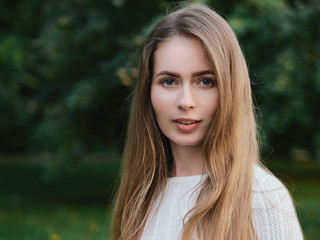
<point>186,127</point>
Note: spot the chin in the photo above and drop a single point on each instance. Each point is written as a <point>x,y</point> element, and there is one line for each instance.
<point>187,143</point>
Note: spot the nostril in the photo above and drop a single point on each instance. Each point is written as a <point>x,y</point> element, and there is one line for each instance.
<point>186,104</point>
<point>186,100</point>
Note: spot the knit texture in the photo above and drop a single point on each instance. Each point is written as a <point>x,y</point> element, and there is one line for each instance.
<point>274,215</point>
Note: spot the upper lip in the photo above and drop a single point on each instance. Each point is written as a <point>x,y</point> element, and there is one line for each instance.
<point>186,120</point>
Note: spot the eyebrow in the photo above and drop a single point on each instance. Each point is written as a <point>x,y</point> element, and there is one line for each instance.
<point>201,73</point>
<point>196,74</point>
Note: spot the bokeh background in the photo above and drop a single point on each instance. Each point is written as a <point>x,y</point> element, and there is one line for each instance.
<point>66,72</point>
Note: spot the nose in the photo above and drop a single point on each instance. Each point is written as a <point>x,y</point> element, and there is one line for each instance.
<point>186,99</point>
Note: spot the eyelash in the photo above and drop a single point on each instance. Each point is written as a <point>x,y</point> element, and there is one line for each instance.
<point>212,82</point>
<point>165,81</point>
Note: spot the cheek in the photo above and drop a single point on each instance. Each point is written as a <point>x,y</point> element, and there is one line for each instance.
<point>210,102</point>
<point>158,101</point>
<point>215,104</point>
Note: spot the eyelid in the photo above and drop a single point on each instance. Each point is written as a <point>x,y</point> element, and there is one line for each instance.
<point>213,81</point>
<point>163,81</point>
<point>166,79</point>
<point>176,82</point>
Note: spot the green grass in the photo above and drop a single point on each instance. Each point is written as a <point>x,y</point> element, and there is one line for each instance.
<point>74,206</point>
<point>303,181</point>
<point>306,194</point>
<point>53,222</point>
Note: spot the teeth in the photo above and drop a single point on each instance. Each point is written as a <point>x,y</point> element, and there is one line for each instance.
<point>187,122</point>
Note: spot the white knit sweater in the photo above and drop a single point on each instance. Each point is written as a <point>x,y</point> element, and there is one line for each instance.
<point>273,212</point>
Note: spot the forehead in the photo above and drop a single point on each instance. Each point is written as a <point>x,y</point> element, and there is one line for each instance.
<point>180,53</point>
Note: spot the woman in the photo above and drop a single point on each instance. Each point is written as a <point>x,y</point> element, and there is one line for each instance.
<point>191,156</point>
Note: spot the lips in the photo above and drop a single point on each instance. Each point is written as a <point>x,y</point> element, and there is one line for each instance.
<point>186,122</point>
<point>186,125</point>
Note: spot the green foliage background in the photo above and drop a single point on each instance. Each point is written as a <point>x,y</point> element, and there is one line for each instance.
<point>66,72</point>
<point>66,68</point>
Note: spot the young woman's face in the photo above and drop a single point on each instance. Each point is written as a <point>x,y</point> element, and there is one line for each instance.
<point>184,92</point>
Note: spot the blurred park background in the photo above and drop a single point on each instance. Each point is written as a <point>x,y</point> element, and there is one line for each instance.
<point>66,72</point>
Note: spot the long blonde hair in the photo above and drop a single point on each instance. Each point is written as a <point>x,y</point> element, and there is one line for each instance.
<point>230,149</point>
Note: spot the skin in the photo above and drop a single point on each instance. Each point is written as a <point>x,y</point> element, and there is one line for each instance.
<point>184,96</point>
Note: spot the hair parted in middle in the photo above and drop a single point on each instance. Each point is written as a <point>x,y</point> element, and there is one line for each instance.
<point>230,149</point>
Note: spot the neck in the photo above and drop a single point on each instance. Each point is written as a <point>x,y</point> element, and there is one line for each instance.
<point>187,160</point>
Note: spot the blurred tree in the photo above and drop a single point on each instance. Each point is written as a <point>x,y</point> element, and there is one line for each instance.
<point>66,68</point>
<point>65,71</point>
<point>65,74</point>
<point>20,22</point>
<point>281,40</point>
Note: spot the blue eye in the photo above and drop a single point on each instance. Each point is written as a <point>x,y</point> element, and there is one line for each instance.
<point>206,82</point>
<point>168,82</point>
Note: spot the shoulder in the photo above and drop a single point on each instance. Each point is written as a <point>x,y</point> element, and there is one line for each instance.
<point>269,193</point>
<point>263,180</point>
<point>272,208</point>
